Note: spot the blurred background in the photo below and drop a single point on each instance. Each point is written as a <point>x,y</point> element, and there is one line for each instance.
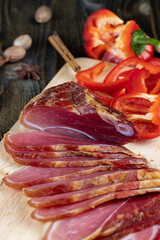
<point>68,18</point>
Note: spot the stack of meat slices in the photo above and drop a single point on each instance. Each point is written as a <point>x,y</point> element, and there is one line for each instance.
<point>87,188</point>
<point>75,183</point>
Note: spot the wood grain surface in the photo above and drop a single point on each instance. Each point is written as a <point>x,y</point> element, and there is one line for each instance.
<point>68,19</point>
<point>15,220</point>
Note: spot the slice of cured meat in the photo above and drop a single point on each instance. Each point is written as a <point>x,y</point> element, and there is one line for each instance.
<point>136,227</point>
<point>80,195</point>
<point>135,205</point>
<point>147,206</point>
<point>59,212</point>
<point>90,149</point>
<point>29,176</point>
<point>82,226</point>
<point>91,180</point>
<point>69,109</point>
<point>36,140</point>
<point>57,153</point>
<point>114,161</point>
<point>109,214</point>
<point>146,217</point>
<point>149,233</point>
<point>44,141</point>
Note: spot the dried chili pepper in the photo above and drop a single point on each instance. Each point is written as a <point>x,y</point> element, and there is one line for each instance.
<point>142,110</point>
<point>108,38</point>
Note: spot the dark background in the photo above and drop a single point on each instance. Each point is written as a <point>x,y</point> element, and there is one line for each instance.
<point>68,19</point>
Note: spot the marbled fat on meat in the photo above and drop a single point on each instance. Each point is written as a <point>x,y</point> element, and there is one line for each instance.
<point>150,233</point>
<point>135,205</point>
<point>29,176</point>
<point>84,194</point>
<point>63,153</point>
<point>82,226</point>
<point>111,216</point>
<point>112,161</point>
<point>91,180</point>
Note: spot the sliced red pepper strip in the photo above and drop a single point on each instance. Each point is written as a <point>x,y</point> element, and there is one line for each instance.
<point>155,109</point>
<point>103,97</point>
<point>152,65</point>
<point>107,88</point>
<point>156,89</point>
<point>90,75</point>
<point>155,61</point>
<point>136,83</point>
<point>120,92</point>
<point>152,83</point>
<point>142,110</point>
<point>88,79</point>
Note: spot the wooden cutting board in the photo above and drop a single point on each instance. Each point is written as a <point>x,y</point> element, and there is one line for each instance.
<point>15,220</point>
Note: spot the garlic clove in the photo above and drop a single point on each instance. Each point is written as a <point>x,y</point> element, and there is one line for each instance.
<point>24,41</point>
<point>43,14</point>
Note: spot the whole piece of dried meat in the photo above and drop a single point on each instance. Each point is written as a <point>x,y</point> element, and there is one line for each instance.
<point>69,109</point>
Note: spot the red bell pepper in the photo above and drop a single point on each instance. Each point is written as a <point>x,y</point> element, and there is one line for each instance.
<point>136,83</point>
<point>146,52</point>
<point>152,83</point>
<point>88,79</point>
<point>156,89</point>
<point>90,74</point>
<point>142,110</point>
<point>152,65</point>
<point>108,38</point>
<point>100,33</point>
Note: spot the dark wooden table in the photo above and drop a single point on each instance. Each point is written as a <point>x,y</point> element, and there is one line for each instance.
<point>69,16</point>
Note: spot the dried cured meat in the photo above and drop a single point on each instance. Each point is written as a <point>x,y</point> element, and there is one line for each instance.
<point>82,226</point>
<point>149,233</point>
<point>135,205</point>
<point>77,168</point>
<point>138,226</point>
<point>112,161</point>
<point>110,216</point>
<point>91,180</point>
<point>69,109</point>
<point>44,141</point>
<point>80,195</point>
<point>30,176</point>
<point>59,153</point>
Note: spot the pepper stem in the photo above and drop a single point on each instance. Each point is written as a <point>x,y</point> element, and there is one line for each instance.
<point>139,38</point>
<point>151,41</point>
